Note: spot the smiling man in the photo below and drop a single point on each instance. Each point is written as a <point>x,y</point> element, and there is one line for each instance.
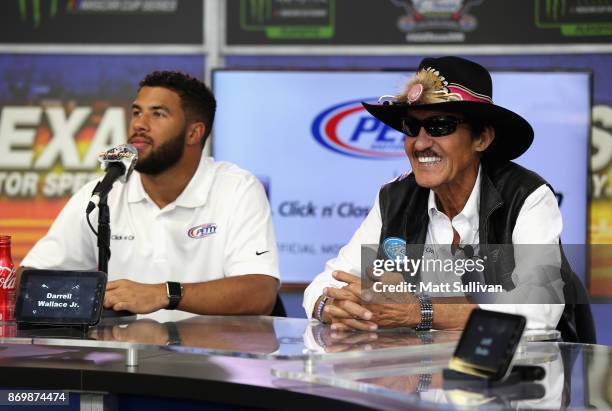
<point>463,194</point>
<point>188,233</point>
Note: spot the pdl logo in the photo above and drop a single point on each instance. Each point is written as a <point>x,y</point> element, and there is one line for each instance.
<point>203,230</point>
<point>347,128</point>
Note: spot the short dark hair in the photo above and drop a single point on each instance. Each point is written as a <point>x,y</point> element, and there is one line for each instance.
<point>197,101</point>
<point>477,127</point>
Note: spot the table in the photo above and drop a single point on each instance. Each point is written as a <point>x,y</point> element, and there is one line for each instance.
<point>280,363</point>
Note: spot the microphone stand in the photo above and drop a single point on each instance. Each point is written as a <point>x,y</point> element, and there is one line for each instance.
<point>116,162</point>
<point>104,235</point>
<point>104,252</point>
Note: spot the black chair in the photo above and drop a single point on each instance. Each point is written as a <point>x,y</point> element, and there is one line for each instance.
<point>585,326</point>
<point>576,323</point>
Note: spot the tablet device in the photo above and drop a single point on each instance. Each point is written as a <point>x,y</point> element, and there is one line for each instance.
<point>488,343</point>
<point>60,297</point>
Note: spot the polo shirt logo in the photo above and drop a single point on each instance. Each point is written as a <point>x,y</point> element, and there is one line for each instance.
<point>203,230</point>
<point>122,237</point>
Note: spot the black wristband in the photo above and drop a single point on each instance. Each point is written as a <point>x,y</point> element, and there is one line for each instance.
<point>174,291</point>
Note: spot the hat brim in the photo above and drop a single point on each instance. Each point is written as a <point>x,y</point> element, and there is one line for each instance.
<point>513,134</point>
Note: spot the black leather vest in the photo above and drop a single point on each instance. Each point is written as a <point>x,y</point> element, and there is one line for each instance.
<point>503,190</point>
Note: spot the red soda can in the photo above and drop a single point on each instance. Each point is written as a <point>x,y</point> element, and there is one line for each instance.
<point>8,280</point>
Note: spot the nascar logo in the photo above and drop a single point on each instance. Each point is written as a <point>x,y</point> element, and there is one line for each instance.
<point>348,129</point>
<point>203,230</point>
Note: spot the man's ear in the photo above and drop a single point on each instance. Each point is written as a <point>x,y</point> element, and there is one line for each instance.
<point>485,139</point>
<point>195,133</point>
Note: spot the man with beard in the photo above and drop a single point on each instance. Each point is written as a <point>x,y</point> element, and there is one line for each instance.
<point>188,232</point>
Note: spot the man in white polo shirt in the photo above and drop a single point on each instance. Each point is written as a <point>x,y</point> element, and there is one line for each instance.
<point>187,232</point>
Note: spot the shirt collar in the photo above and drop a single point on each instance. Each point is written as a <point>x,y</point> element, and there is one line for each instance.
<point>135,190</point>
<point>195,193</point>
<point>470,210</point>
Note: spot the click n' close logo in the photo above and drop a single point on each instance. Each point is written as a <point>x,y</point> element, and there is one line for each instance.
<point>203,230</point>
<point>348,129</point>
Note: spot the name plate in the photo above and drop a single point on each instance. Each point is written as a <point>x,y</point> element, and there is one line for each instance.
<point>60,297</point>
<point>488,343</point>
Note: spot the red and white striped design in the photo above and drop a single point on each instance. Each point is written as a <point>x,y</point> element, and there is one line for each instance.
<point>467,94</point>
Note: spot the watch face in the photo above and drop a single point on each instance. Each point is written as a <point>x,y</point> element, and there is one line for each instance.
<point>174,289</point>
<point>174,292</point>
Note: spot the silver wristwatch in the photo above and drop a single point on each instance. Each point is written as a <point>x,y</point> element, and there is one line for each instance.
<point>426,313</point>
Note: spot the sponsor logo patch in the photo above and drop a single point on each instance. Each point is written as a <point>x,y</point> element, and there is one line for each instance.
<point>203,230</point>
<point>394,247</point>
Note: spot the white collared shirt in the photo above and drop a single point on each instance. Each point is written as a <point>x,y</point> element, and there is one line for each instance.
<point>219,226</point>
<point>466,223</point>
<point>539,222</point>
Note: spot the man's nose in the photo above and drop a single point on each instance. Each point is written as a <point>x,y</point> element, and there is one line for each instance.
<point>422,140</point>
<point>140,123</point>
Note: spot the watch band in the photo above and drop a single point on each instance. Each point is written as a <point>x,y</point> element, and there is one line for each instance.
<point>426,313</point>
<point>174,291</point>
<point>320,306</point>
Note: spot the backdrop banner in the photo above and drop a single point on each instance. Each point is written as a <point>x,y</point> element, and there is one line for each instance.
<point>323,158</point>
<point>57,113</point>
<point>399,22</point>
<point>102,22</point>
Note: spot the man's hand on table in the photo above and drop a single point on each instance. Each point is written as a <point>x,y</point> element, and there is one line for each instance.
<point>135,297</point>
<point>352,309</point>
<point>346,308</point>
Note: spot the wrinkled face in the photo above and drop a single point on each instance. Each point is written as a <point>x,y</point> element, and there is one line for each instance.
<point>157,129</point>
<point>444,160</point>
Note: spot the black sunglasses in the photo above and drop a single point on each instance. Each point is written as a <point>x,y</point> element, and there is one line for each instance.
<point>435,126</point>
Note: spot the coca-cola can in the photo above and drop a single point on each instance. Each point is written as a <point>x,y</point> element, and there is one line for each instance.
<point>8,280</point>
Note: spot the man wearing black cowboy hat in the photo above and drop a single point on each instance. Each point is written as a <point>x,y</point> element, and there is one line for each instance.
<point>463,192</point>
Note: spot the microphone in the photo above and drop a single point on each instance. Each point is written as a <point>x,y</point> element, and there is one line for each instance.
<point>468,250</point>
<point>119,163</point>
<point>473,276</point>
